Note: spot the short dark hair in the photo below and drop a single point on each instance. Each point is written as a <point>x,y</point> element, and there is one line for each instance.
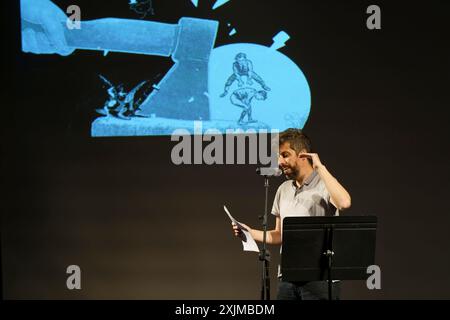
<point>297,140</point>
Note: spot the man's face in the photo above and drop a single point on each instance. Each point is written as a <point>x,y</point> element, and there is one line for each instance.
<point>287,161</point>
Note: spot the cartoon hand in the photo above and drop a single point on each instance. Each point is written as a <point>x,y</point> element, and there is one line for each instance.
<point>43,26</point>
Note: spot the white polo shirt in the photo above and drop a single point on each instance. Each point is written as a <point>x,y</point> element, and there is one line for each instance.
<point>312,199</point>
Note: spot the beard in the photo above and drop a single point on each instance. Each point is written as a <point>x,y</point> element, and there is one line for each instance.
<point>290,172</point>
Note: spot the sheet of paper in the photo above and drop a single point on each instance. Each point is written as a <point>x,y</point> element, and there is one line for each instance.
<point>248,242</point>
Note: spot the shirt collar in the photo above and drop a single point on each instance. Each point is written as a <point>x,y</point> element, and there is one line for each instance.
<point>307,181</point>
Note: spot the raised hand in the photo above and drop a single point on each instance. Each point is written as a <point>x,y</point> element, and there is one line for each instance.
<point>314,157</point>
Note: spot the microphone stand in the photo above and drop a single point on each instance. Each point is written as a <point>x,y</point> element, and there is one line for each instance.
<point>264,255</point>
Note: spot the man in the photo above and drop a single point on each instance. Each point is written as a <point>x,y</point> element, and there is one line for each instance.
<point>310,191</point>
<point>242,98</point>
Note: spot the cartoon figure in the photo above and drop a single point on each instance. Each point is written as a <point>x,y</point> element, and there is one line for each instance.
<point>115,94</point>
<point>127,104</point>
<point>243,67</point>
<point>119,101</point>
<point>243,99</point>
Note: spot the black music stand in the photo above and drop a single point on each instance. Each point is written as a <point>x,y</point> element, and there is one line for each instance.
<point>327,248</point>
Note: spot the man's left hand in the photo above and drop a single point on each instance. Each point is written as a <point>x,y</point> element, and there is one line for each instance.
<point>314,157</point>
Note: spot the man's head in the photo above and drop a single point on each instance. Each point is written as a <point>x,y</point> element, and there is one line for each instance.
<point>292,142</point>
<point>261,95</point>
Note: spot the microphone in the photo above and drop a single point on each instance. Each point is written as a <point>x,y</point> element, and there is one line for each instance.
<point>269,172</point>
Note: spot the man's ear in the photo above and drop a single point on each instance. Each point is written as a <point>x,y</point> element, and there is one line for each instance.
<point>302,151</point>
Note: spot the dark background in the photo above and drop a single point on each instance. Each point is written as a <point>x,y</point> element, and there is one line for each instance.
<point>142,228</point>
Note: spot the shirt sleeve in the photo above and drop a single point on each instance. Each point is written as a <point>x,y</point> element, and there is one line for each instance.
<point>276,203</point>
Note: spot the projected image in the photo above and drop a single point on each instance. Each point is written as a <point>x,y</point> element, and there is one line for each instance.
<point>243,68</point>
<point>235,86</point>
<point>120,103</point>
<point>142,7</point>
<point>266,90</point>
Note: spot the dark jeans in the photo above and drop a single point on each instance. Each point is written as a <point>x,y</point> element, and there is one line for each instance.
<point>313,290</point>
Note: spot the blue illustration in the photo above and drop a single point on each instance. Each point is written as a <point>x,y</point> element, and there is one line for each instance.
<point>242,98</point>
<point>43,28</point>
<point>265,87</point>
<point>243,68</point>
<point>219,3</point>
<point>279,41</point>
<point>142,7</point>
<point>120,103</point>
<point>289,96</point>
